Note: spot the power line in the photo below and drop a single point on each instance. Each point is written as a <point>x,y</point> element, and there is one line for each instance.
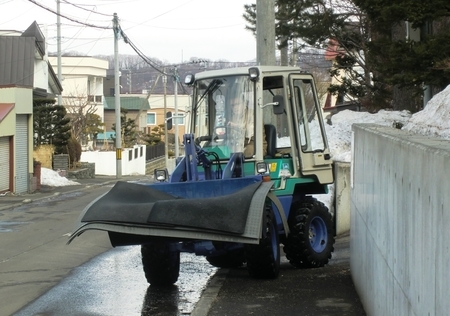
<point>140,54</point>
<point>80,7</point>
<point>68,18</point>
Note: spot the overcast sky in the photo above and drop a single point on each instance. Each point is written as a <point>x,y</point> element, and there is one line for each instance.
<point>170,30</point>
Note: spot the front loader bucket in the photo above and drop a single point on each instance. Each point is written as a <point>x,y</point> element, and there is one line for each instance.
<point>224,210</point>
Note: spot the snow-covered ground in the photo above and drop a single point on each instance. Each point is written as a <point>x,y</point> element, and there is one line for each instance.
<point>434,121</point>
<point>52,178</point>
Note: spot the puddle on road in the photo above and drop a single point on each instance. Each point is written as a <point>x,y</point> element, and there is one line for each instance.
<point>114,284</point>
<point>59,197</point>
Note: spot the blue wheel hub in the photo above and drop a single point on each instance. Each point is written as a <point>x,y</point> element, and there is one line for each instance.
<point>274,241</point>
<point>318,234</point>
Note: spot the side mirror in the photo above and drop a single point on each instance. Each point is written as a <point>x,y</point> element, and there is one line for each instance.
<point>278,107</point>
<point>169,122</point>
<point>189,79</point>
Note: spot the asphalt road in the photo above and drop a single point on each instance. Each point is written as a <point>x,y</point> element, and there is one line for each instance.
<point>33,252</point>
<point>34,258</point>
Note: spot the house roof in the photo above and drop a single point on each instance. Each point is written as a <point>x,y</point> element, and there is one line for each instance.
<point>5,108</point>
<point>34,31</point>
<point>333,50</point>
<point>135,103</point>
<point>17,61</point>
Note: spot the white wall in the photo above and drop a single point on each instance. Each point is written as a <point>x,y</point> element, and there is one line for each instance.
<point>40,78</point>
<point>342,196</point>
<point>400,219</point>
<point>106,162</point>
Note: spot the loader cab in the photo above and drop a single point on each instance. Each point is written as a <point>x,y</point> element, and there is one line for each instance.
<point>295,112</point>
<point>267,113</point>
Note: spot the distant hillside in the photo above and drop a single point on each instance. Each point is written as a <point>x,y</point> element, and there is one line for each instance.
<point>138,75</point>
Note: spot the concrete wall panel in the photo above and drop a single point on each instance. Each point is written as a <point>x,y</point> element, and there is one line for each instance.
<point>342,196</point>
<point>105,161</point>
<point>399,221</point>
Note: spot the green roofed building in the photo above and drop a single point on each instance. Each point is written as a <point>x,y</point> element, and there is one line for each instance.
<point>136,106</point>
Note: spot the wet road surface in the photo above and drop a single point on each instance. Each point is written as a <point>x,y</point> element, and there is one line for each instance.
<point>41,275</point>
<point>114,284</point>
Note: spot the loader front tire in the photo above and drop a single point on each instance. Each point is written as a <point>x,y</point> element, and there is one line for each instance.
<point>311,239</point>
<point>263,260</point>
<point>161,266</point>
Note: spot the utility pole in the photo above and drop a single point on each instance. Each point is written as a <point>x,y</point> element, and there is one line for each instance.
<point>166,137</point>
<point>58,40</point>
<point>265,32</point>
<point>116,30</point>
<point>294,52</point>
<point>175,80</point>
<point>129,81</point>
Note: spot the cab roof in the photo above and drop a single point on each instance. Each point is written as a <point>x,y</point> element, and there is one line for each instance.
<point>244,71</point>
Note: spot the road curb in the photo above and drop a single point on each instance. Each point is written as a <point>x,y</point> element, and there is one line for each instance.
<point>210,293</point>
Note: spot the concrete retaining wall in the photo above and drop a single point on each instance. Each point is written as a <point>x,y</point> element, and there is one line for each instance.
<point>86,171</point>
<point>400,219</point>
<point>158,163</point>
<point>342,196</point>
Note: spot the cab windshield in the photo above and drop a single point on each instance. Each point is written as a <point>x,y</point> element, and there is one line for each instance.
<point>223,114</point>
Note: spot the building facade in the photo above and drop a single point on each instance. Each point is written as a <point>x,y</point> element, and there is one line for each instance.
<point>25,75</point>
<point>82,79</point>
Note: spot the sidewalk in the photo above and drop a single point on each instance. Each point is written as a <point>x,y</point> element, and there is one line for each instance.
<point>11,200</point>
<point>310,292</point>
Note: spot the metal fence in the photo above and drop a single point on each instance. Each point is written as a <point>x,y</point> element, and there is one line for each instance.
<point>155,151</point>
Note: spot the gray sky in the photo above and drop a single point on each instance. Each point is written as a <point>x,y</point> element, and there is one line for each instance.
<point>170,30</point>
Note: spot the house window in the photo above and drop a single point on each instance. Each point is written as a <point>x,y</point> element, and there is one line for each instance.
<point>95,98</point>
<point>151,119</point>
<point>178,120</point>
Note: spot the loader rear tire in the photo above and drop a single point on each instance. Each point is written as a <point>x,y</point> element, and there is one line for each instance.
<point>263,260</point>
<point>161,266</point>
<point>311,239</point>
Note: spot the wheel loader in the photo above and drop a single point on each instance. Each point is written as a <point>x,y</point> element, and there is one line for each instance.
<point>255,155</point>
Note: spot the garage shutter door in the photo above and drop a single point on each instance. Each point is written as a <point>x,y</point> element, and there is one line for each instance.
<point>21,154</point>
<point>4,164</point>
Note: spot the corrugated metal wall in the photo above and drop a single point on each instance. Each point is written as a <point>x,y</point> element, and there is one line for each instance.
<point>21,154</point>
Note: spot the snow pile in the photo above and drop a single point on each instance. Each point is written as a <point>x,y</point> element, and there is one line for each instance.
<point>340,132</point>
<point>434,119</point>
<point>52,178</point>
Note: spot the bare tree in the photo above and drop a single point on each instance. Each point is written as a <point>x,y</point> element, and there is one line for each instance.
<point>81,110</point>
